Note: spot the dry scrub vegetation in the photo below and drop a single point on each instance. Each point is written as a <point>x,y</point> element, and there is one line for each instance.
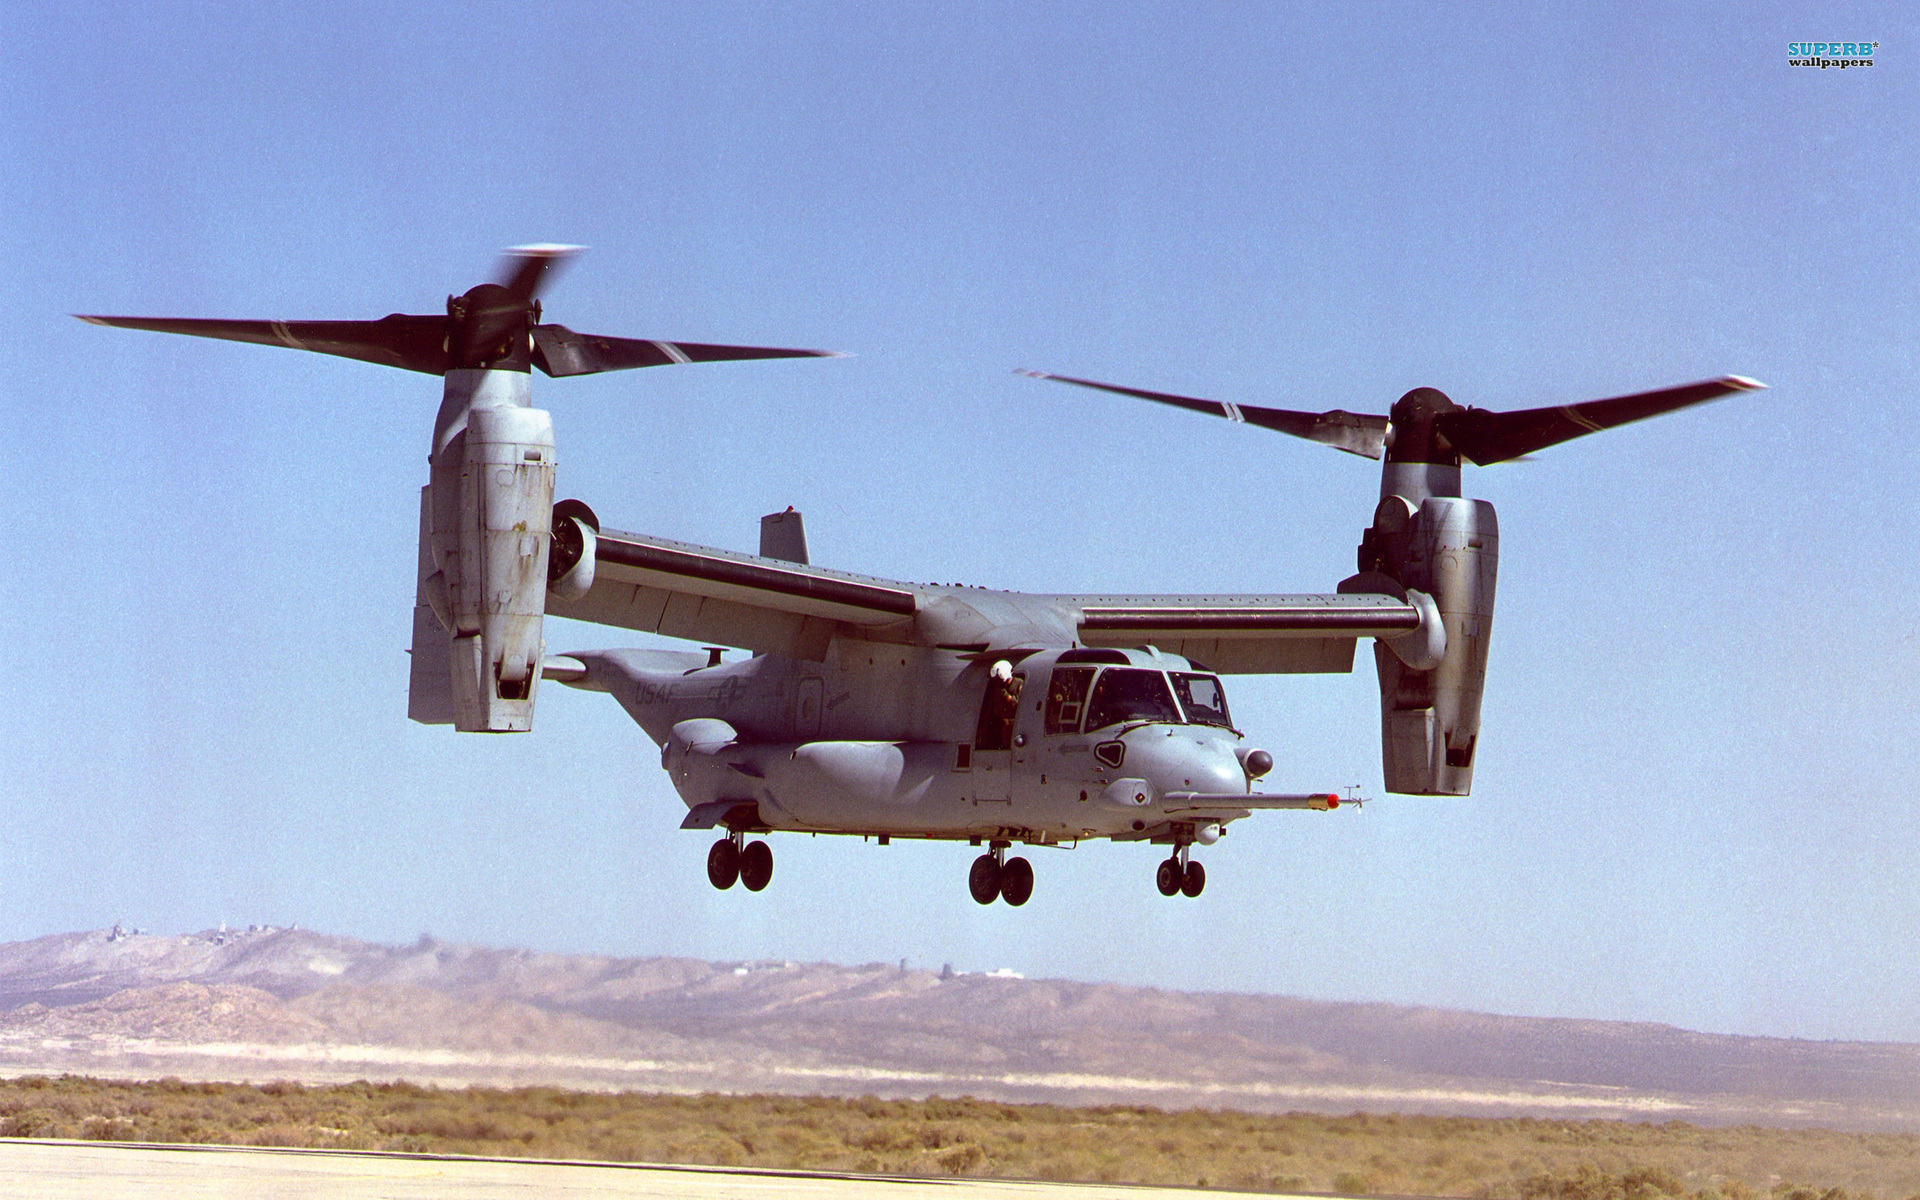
<point>1521,1159</point>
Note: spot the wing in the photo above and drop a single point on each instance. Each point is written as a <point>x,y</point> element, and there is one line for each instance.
<point>771,606</point>
<point>1245,635</point>
<point>706,595</point>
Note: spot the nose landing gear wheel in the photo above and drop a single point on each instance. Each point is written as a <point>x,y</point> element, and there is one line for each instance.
<point>756,865</point>
<point>984,879</point>
<point>1195,882</point>
<point>723,864</point>
<point>1169,877</point>
<point>1016,881</point>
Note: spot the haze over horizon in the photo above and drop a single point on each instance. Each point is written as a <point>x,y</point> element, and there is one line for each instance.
<point>1694,803</point>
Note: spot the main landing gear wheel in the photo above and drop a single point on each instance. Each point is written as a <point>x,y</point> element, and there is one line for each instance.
<point>1170,877</point>
<point>1016,881</point>
<point>723,864</point>
<point>984,879</point>
<point>756,865</point>
<point>1195,882</point>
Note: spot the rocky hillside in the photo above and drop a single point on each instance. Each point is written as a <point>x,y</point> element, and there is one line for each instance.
<point>280,1003</point>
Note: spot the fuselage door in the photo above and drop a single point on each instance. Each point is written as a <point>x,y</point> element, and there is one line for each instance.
<point>993,740</point>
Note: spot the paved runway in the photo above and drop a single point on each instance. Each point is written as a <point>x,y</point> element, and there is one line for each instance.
<point>106,1171</point>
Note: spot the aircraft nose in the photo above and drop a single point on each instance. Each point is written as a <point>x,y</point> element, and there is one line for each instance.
<point>1177,759</point>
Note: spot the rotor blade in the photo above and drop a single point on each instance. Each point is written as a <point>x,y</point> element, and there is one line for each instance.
<point>1355,433</point>
<point>526,270</point>
<point>1491,437</point>
<point>408,342</point>
<point>560,351</point>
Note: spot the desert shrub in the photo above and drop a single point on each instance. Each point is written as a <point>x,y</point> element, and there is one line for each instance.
<point>1589,1182</point>
<point>712,1148</point>
<point>31,1122</point>
<point>1526,1159</point>
<point>97,1128</point>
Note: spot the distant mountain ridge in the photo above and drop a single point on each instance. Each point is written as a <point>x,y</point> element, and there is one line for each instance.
<point>294,1004</point>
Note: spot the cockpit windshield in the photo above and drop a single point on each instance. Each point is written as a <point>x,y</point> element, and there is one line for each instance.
<point>1203,698</point>
<point>1130,694</point>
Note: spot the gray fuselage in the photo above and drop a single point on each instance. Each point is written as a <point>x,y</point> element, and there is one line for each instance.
<point>904,740</point>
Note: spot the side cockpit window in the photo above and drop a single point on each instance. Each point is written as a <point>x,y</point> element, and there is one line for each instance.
<point>1130,694</point>
<point>1203,698</point>
<point>1067,698</point>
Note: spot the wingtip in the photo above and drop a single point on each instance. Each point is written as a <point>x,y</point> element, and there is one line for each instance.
<point>89,320</point>
<point>1031,374</point>
<point>1744,383</point>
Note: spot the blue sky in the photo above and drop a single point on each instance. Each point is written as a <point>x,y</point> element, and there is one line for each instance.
<point>1696,794</point>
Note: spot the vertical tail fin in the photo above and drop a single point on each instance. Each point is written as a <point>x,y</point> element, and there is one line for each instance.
<point>783,535</point>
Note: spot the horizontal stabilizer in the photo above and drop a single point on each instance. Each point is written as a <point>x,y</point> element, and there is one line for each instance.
<point>603,670</point>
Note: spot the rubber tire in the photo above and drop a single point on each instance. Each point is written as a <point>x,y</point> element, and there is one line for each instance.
<point>984,880</point>
<point>723,864</point>
<point>1169,877</point>
<point>756,866</point>
<point>1016,881</point>
<point>1195,882</point>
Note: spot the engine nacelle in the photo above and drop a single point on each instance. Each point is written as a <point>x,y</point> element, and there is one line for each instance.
<point>487,518</point>
<point>499,599</point>
<point>1430,687</point>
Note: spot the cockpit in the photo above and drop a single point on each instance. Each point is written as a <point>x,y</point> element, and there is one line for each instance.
<point>1096,697</point>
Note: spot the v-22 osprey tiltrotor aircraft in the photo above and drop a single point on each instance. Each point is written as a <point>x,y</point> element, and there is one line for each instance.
<point>889,709</point>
